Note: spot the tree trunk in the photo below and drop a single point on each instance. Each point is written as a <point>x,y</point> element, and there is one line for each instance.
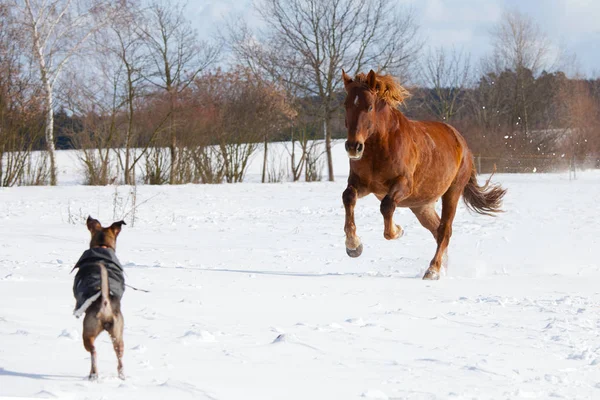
<point>49,130</point>
<point>129,176</point>
<point>49,134</point>
<point>173,150</point>
<point>295,173</point>
<point>327,134</point>
<point>126,175</point>
<point>1,159</point>
<point>264,171</point>
<point>127,156</point>
<point>525,113</point>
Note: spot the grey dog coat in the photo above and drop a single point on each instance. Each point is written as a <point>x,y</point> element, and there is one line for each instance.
<point>87,284</point>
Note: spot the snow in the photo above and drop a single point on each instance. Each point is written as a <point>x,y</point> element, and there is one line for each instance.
<point>252,295</point>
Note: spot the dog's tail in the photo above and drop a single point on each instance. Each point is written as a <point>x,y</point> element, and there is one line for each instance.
<point>105,314</point>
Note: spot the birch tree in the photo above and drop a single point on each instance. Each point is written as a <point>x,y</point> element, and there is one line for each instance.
<point>57,30</point>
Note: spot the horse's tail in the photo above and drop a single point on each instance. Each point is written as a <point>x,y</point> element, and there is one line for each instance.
<point>486,199</point>
<point>105,314</point>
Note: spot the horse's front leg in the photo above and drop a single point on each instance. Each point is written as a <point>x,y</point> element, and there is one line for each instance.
<point>397,193</point>
<point>354,247</point>
<point>391,230</point>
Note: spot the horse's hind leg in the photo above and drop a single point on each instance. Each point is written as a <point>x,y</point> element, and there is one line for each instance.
<point>444,231</point>
<point>428,217</point>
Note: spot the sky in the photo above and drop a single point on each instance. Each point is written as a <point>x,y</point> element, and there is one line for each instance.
<point>573,26</point>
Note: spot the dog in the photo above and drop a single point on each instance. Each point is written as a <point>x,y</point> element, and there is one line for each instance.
<point>98,287</point>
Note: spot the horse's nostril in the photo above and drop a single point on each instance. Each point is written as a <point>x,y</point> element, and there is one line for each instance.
<point>347,146</point>
<point>360,147</point>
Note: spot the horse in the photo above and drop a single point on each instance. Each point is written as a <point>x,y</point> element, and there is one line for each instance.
<point>407,163</point>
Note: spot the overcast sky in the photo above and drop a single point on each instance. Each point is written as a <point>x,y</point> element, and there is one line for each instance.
<point>572,25</point>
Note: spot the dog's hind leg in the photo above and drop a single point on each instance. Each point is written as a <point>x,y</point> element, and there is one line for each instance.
<point>91,329</point>
<point>116,335</point>
<point>88,343</point>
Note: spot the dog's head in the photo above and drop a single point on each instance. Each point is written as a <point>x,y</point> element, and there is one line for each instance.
<point>104,237</point>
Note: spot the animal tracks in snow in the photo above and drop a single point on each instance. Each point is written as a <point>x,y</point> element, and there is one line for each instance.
<point>252,296</point>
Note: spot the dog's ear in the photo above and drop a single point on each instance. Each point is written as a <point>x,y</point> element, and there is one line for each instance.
<point>116,227</point>
<point>93,225</point>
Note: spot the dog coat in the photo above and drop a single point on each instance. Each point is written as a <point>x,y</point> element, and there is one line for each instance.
<point>87,285</point>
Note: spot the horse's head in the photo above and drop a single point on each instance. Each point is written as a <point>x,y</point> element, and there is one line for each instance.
<point>360,113</point>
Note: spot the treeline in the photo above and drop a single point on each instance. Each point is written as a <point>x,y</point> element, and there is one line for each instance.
<point>520,121</point>
<point>145,99</point>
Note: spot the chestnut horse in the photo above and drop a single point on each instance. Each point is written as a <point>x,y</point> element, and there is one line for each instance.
<point>406,163</point>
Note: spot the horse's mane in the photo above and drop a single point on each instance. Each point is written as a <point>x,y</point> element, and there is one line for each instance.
<point>387,88</point>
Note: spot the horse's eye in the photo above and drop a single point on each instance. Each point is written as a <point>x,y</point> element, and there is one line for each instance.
<point>370,108</point>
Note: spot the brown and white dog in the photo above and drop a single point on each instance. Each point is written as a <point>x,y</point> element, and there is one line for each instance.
<point>98,288</point>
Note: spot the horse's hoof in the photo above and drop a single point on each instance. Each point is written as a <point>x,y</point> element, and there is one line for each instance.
<point>431,275</point>
<point>121,376</point>
<point>93,377</point>
<point>398,235</point>
<point>400,230</point>
<point>355,252</point>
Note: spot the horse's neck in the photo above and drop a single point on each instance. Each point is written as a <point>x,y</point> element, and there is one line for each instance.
<point>401,123</point>
<point>393,126</point>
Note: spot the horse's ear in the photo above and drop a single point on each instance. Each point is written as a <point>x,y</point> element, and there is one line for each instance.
<point>92,224</point>
<point>371,81</point>
<point>346,78</point>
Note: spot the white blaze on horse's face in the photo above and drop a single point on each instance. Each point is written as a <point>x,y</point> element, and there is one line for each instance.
<point>359,121</point>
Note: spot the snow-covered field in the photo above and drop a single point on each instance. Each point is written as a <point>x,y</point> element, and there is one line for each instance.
<point>252,295</point>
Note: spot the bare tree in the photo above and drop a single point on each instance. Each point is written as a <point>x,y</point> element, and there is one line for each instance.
<point>111,98</point>
<point>520,46</point>
<point>125,43</point>
<point>580,121</point>
<point>445,76</point>
<point>20,112</point>
<point>227,116</point>
<point>519,43</point>
<point>272,113</point>
<point>254,108</point>
<point>95,95</point>
<point>307,42</point>
<point>177,58</point>
<point>57,30</point>
<point>298,138</point>
<point>266,64</point>
<point>95,141</point>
